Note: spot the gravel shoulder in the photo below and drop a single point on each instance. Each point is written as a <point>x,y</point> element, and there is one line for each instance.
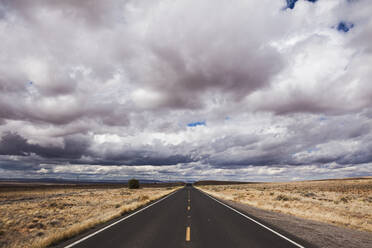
<point>317,233</point>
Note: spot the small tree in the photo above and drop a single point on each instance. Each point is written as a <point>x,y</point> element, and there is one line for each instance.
<point>133,183</point>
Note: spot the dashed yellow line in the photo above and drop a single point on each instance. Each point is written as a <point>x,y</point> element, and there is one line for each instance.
<point>188,209</point>
<point>188,233</point>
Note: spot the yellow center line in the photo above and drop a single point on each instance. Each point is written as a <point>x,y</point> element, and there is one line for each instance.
<point>188,233</point>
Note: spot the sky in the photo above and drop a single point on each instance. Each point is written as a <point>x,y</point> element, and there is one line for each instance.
<point>189,90</point>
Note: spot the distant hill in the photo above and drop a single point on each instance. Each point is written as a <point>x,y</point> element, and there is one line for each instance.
<point>71,181</point>
<point>15,184</point>
<point>215,182</point>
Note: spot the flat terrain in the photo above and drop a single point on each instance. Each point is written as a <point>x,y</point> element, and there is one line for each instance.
<point>187,218</point>
<point>346,202</point>
<point>102,217</point>
<point>38,216</point>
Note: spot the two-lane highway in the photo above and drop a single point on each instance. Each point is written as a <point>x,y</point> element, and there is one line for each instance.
<point>187,218</point>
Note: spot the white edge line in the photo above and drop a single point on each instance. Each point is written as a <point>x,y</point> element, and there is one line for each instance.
<point>116,222</point>
<point>255,221</point>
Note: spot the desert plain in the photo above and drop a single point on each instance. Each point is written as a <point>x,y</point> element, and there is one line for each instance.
<point>341,202</point>
<point>41,216</point>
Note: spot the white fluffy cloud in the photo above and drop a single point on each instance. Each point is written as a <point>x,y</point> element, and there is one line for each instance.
<point>102,87</point>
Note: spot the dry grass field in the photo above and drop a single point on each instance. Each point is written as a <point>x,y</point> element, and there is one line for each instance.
<point>40,217</point>
<point>344,202</point>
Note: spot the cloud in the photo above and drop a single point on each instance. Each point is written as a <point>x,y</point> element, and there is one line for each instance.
<point>14,144</point>
<point>112,87</point>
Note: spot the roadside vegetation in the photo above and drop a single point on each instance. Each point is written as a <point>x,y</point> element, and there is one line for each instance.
<point>44,216</point>
<point>133,184</point>
<point>344,202</point>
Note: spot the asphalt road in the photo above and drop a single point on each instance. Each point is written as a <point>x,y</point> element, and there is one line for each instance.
<point>187,218</point>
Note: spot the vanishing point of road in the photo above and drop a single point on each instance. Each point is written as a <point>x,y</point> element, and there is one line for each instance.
<point>187,218</point>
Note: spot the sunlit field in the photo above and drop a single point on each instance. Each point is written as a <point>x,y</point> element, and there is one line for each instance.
<point>346,202</point>
<point>39,217</point>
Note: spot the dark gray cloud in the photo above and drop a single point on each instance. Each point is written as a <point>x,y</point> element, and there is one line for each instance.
<point>144,158</point>
<point>344,140</point>
<point>10,165</point>
<point>14,144</point>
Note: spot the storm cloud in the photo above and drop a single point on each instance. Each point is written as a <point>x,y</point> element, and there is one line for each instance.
<point>14,144</point>
<point>278,90</point>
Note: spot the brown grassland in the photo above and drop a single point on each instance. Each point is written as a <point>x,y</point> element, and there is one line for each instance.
<point>343,202</point>
<point>43,216</point>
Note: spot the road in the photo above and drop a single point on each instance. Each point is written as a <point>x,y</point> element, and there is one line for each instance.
<point>187,218</point>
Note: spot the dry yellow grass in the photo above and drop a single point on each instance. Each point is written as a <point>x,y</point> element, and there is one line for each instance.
<point>37,218</point>
<point>346,203</point>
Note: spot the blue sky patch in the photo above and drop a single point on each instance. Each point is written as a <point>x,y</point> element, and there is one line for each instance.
<point>344,26</point>
<point>291,3</point>
<point>197,123</point>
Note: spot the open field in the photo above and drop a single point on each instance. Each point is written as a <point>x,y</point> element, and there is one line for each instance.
<point>346,202</point>
<point>44,215</point>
